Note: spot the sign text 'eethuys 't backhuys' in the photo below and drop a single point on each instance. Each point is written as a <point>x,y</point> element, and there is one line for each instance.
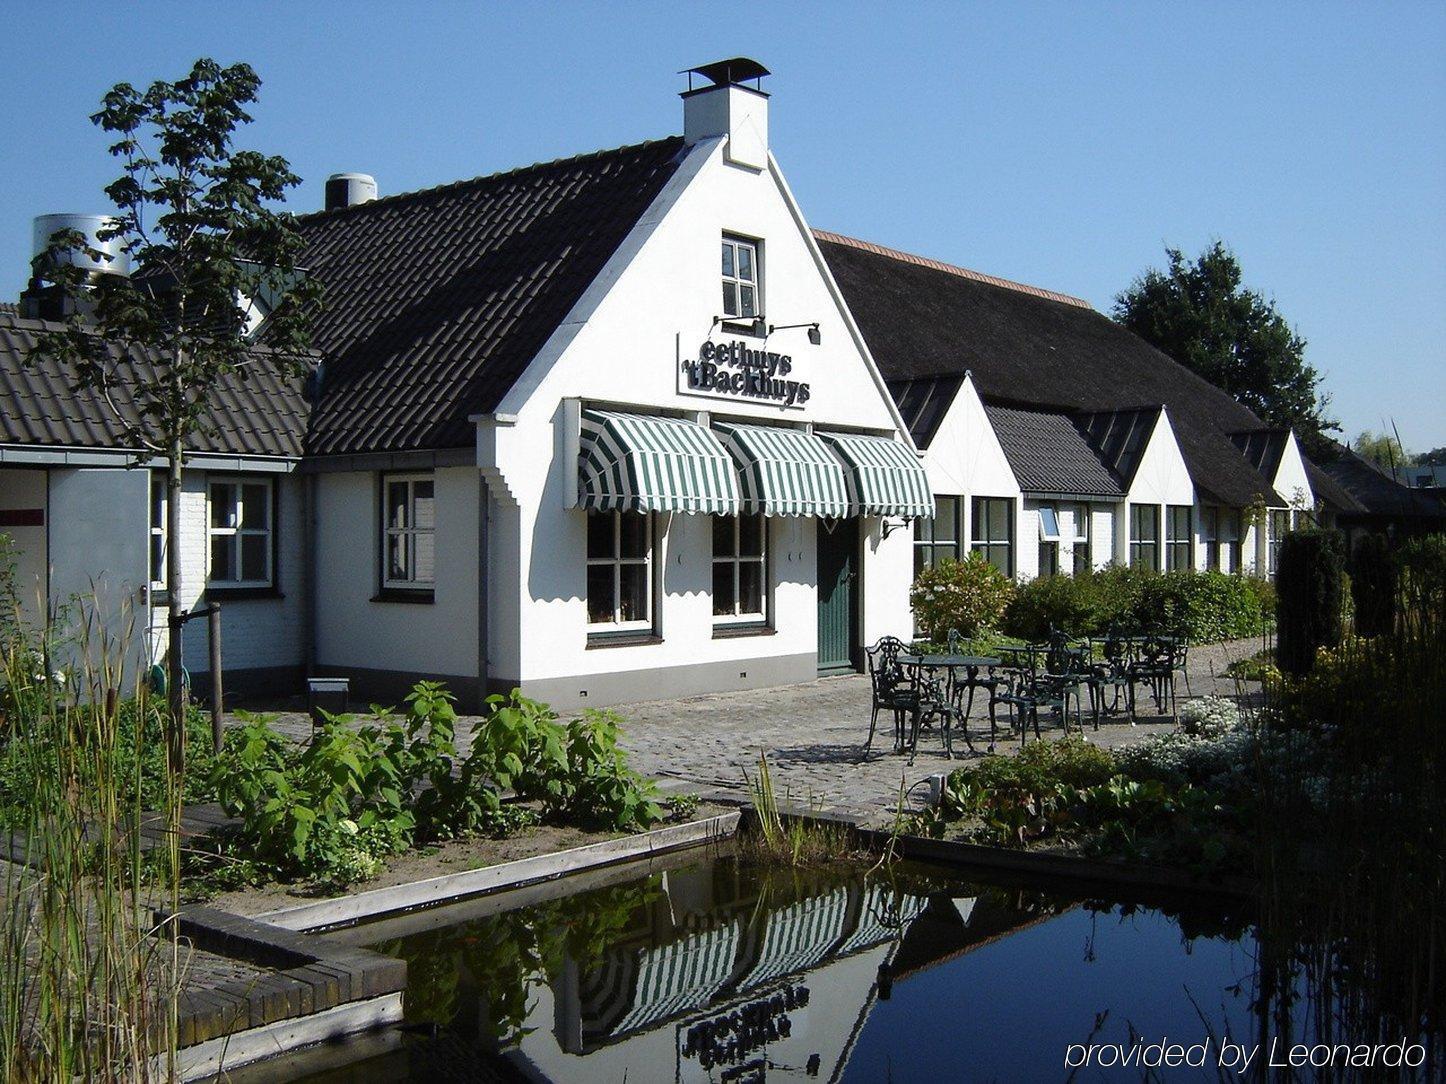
<point>736,370</point>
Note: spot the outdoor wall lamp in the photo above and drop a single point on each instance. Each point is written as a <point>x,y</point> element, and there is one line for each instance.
<point>814,335</point>
<point>890,528</point>
<point>757,327</point>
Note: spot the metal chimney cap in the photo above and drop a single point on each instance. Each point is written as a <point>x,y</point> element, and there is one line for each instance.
<point>727,72</point>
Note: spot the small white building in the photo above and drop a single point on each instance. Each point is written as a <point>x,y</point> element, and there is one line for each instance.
<point>622,427</point>
<point>1103,449</point>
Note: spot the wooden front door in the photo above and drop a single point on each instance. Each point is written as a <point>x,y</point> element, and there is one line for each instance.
<point>838,595</point>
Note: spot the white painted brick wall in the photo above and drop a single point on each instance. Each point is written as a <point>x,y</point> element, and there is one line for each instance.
<point>255,633</point>
<point>1102,535</point>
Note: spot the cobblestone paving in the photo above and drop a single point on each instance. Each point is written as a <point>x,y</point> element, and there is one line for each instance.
<point>814,733</point>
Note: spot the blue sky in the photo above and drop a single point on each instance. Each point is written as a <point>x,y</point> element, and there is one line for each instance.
<point>1060,144</point>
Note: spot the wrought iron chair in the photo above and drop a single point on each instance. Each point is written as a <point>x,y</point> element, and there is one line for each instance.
<point>1110,673</point>
<point>1154,666</point>
<point>895,688</point>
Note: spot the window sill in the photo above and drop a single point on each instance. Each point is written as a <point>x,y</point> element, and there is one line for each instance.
<point>733,632</point>
<point>238,594</point>
<point>419,596</point>
<point>622,639</point>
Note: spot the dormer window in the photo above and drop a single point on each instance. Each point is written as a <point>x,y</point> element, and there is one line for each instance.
<point>740,279</point>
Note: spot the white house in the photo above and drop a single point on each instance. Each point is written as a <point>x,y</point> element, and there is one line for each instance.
<point>623,426</point>
<point>1111,451</point>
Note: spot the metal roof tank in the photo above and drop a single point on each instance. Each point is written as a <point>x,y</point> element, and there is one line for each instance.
<point>47,226</point>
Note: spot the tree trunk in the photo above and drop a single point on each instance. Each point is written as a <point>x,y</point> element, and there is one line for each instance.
<point>175,685</point>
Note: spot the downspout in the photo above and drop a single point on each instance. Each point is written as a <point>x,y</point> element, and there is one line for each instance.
<point>308,572</point>
<point>484,523</point>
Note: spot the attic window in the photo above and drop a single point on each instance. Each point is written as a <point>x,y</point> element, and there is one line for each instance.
<point>740,279</point>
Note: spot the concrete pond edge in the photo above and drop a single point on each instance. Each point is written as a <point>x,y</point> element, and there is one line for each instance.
<point>319,988</point>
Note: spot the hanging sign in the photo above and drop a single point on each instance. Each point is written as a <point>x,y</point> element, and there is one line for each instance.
<point>735,370</point>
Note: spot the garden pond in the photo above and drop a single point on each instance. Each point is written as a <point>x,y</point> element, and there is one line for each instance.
<point>707,969</point>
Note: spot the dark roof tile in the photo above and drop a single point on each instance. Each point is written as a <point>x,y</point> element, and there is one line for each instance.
<point>1033,348</point>
<point>261,413</point>
<point>436,301</point>
<point>1049,454</point>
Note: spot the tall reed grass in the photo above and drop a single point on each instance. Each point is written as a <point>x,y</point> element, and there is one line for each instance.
<point>88,987</point>
<point>782,836</point>
<point>1352,839</point>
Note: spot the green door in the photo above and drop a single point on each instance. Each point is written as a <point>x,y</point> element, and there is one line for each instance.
<point>838,603</point>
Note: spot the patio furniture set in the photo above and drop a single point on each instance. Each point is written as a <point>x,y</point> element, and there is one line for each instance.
<point>1053,678</point>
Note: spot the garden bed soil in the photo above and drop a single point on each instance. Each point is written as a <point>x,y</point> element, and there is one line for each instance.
<point>455,856</point>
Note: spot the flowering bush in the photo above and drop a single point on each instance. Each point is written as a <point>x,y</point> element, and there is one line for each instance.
<point>968,595</point>
<point>1209,716</point>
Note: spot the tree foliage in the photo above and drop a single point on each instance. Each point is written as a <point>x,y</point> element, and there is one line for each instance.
<point>197,217</point>
<point>1200,314</point>
<point>1436,457</point>
<point>194,215</point>
<point>1382,449</point>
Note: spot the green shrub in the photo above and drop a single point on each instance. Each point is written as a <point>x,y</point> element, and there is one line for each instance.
<point>1264,592</point>
<point>968,595</point>
<point>1373,585</point>
<point>1068,603</point>
<point>1423,579</point>
<point>1209,606</point>
<point>135,750</point>
<point>1308,586</point>
<point>332,809</point>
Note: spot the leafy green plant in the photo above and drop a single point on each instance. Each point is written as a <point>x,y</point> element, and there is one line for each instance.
<point>1373,584</point>
<point>968,596</point>
<point>332,809</point>
<point>600,787</point>
<point>1208,606</point>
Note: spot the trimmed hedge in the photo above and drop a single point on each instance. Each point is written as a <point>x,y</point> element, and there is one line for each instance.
<point>1309,587</point>
<point>1373,585</point>
<point>1208,606</point>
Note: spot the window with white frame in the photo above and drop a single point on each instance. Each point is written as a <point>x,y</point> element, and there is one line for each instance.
<point>409,539</point>
<point>239,520</point>
<point>158,531</point>
<point>741,279</point>
<point>1145,536</point>
<point>740,569</point>
<point>1083,559</point>
<point>992,528</point>
<point>619,571</point>
<point>1048,540</point>
<point>1178,541</point>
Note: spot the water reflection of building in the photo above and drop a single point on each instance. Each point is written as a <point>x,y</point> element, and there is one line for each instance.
<point>731,979</point>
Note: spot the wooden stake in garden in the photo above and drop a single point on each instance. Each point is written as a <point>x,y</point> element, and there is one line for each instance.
<point>197,218</point>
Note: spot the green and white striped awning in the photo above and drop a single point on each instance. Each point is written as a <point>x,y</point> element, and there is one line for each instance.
<point>884,477</point>
<point>785,472</point>
<point>638,463</point>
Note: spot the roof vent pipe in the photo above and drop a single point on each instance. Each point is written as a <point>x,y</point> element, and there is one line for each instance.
<point>349,189</point>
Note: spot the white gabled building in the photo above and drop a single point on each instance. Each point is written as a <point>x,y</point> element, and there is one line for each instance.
<point>622,427</point>
<point>1118,453</point>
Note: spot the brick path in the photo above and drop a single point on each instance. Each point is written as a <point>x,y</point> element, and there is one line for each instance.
<point>813,735</point>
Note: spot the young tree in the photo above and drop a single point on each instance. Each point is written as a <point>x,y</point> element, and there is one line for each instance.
<point>1199,314</point>
<point>1382,449</point>
<point>196,216</point>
